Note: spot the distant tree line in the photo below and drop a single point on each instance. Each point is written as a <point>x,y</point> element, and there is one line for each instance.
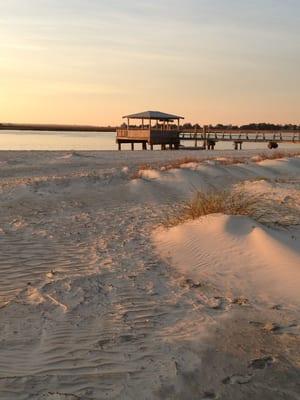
<point>253,126</point>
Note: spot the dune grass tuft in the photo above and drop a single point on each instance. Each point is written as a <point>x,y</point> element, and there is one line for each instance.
<point>238,201</point>
<point>275,155</point>
<point>165,166</point>
<point>224,161</point>
<point>225,202</point>
<point>173,164</point>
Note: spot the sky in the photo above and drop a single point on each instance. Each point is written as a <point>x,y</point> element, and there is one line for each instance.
<point>92,61</point>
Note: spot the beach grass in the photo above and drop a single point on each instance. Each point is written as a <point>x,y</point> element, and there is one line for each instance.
<point>225,161</point>
<point>238,201</point>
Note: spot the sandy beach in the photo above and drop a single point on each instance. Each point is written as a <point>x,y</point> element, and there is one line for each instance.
<point>101,299</point>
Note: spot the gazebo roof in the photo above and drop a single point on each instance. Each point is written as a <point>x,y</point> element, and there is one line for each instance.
<point>153,115</point>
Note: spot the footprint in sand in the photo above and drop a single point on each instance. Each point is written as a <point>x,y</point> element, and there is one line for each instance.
<point>261,363</point>
<point>219,303</point>
<point>277,307</point>
<point>240,301</point>
<point>272,327</point>
<point>258,363</point>
<point>57,396</point>
<point>191,284</point>
<point>237,379</point>
<point>209,396</point>
<point>292,329</point>
<point>276,329</point>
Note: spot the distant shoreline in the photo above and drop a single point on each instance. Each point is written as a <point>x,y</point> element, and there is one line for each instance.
<point>56,127</point>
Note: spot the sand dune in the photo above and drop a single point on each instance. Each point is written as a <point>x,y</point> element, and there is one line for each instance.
<point>239,255</point>
<point>93,308</point>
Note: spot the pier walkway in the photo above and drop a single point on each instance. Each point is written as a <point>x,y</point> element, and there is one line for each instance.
<point>209,137</point>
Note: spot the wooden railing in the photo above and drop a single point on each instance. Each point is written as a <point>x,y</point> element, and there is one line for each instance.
<point>136,132</point>
<point>133,133</point>
<point>242,135</point>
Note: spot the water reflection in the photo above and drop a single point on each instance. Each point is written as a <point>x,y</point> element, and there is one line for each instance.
<point>36,140</point>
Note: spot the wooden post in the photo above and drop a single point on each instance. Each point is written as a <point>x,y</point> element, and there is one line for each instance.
<point>205,138</point>
<point>144,146</point>
<point>132,146</point>
<point>119,146</point>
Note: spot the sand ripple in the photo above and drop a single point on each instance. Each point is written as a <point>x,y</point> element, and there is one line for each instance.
<point>89,309</point>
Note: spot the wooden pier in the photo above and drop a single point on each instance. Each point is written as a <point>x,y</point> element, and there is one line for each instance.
<point>210,137</point>
<point>168,134</point>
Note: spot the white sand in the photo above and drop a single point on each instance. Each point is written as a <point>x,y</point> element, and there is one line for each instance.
<point>238,255</point>
<point>99,302</point>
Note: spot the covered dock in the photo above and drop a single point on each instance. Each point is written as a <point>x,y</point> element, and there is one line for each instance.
<point>154,128</point>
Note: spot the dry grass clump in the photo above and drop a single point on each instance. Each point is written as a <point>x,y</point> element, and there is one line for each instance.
<point>260,207</point>
<point>225,202</point>
<point>224,161</point>
<point>172,164</point>
<point>275,155</point>
<point>231,160</point>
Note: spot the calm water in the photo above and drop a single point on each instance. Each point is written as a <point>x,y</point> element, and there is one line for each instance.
<point>35,140</point>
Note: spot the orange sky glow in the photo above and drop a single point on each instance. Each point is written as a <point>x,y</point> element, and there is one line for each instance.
<point>210,60</point>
